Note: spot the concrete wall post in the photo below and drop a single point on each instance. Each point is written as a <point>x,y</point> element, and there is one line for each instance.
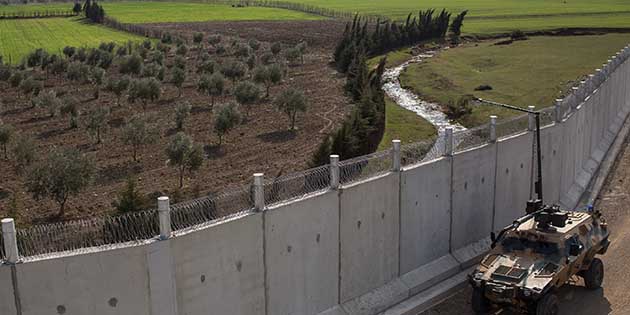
<point>259,192</point>
<point>575,95</point>
<point>557,113</point>
<point>448,141</point>
<point>531,123</point>
<point>164,212</point>
<point>493,128</point>
<point>10,240</point>
<point>396,155</point>
<point>334,171</point>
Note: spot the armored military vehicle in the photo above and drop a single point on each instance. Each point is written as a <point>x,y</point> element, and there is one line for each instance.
<point>538,254</point>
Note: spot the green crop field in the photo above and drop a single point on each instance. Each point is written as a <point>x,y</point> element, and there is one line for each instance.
<point>157,12</point>
<point>490,16</point>
<point>530,72</point>
<point>19,37</point>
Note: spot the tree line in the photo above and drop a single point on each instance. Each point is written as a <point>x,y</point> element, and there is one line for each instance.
<point>363,129</point>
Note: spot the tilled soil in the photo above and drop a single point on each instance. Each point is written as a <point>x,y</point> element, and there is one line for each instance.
<point>614,297</point>
<point>262,144</point>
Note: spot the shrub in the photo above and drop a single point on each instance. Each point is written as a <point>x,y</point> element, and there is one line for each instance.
<point>184,154</point>
<point>96,76</point>
<point>198,38</point>
<point>182,50</point>
<point>157,56</point>
<point>254,44</point>
<point>137,133</point>
<point>182,111</point>
<point>62,174</point>
<point>242,51</point>
<point>59,66</point>
<point>69,51</point>
<point>5,72</point>
<point>459,108</point>
<point>179,62</point>
<point>16,78</point>
<point>225,119</point>
<point>130,199</point>
<point>276,48</point>
<point>290,102</point>
<point>207,67</point>
<point>36,57</point>
<point>293,55</point>
<point>109,47</point>
<point>214,39</point>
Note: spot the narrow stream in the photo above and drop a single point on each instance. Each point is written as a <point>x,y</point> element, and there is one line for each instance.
<point>407,99</point>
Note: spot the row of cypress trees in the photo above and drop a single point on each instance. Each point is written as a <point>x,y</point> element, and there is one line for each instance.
<point>94,11</point>
<point>363,129</point>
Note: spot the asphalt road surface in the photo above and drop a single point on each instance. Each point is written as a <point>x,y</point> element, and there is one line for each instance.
<point>614,297</point>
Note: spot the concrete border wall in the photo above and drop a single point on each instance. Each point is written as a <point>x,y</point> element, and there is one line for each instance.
<point>357,249</point>
<point>302,254</point>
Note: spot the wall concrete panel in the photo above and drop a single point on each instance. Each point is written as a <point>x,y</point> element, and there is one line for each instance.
<point>514,178</point>
<point>568,149</point>
<point>7,299</point>
<point>302,254</point>
<point>107,282</point>
<point>369,235</point>
<point>551,142</point>
<point>473,194</point>
<point>425,213</point>
<point>219,269</point>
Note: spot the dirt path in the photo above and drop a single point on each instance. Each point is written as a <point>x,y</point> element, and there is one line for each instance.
<point>614,298</point>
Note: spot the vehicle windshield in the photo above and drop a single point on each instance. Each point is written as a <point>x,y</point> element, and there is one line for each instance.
<point>519,244</point>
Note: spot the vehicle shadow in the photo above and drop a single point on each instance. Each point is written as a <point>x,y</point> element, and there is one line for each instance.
<point>576,299</point>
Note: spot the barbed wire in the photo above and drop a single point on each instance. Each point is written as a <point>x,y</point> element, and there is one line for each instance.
<point>421,151</point>
<point>296,185</point>
<point>72,235</point>
<point>365,166</point>
<point>470,138</point>
<point>512,125</point>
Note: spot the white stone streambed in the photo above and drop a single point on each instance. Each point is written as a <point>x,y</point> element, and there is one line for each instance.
<point>407,99</point>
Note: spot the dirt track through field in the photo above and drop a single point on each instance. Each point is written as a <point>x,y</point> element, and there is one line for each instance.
<point>614,298</point>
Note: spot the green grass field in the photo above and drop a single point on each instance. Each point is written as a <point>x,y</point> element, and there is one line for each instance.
<point>19,37</point>
<point>404,125</point>
<point>492,16</point>
<point>157,12</point>
<point>531,72</point>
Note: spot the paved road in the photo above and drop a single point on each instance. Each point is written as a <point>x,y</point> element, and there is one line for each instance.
<point>614,297</point>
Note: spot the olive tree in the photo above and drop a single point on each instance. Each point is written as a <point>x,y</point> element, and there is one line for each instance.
<point>118,87</point>
<point>137,133</point>
<point>147,89</point>
<point>184,154</point>
<point>24,152</point>
<point>178,76</point>
<point>77,72</point>
<point>69,106</point>
<point>212,85</point>
<point>182,111</point>
<point>30,86</point>
<point>95,77</point>
<point>234,70</point>
<point>61,174</point>
<point>6,133</point>
<point>268,76</point>
<point>247,93</point>
<point>290,102</point>
<point>276,48</point>
<point>49,101</point>
<point>226,117</point>
<point>96,123</point>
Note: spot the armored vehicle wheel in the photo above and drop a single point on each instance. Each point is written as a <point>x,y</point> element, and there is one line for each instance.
<point>547,305</point>
<point>594,275</point>
<point>480,303</point>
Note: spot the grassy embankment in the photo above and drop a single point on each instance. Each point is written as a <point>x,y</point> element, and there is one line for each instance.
<point>531,72</point>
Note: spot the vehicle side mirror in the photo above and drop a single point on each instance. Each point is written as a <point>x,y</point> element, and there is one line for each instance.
<point>575,249</point>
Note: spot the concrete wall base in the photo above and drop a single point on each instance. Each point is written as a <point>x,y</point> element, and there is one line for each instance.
<point>472,254</point>
<point>377,300</point>
<point>430,274</point>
